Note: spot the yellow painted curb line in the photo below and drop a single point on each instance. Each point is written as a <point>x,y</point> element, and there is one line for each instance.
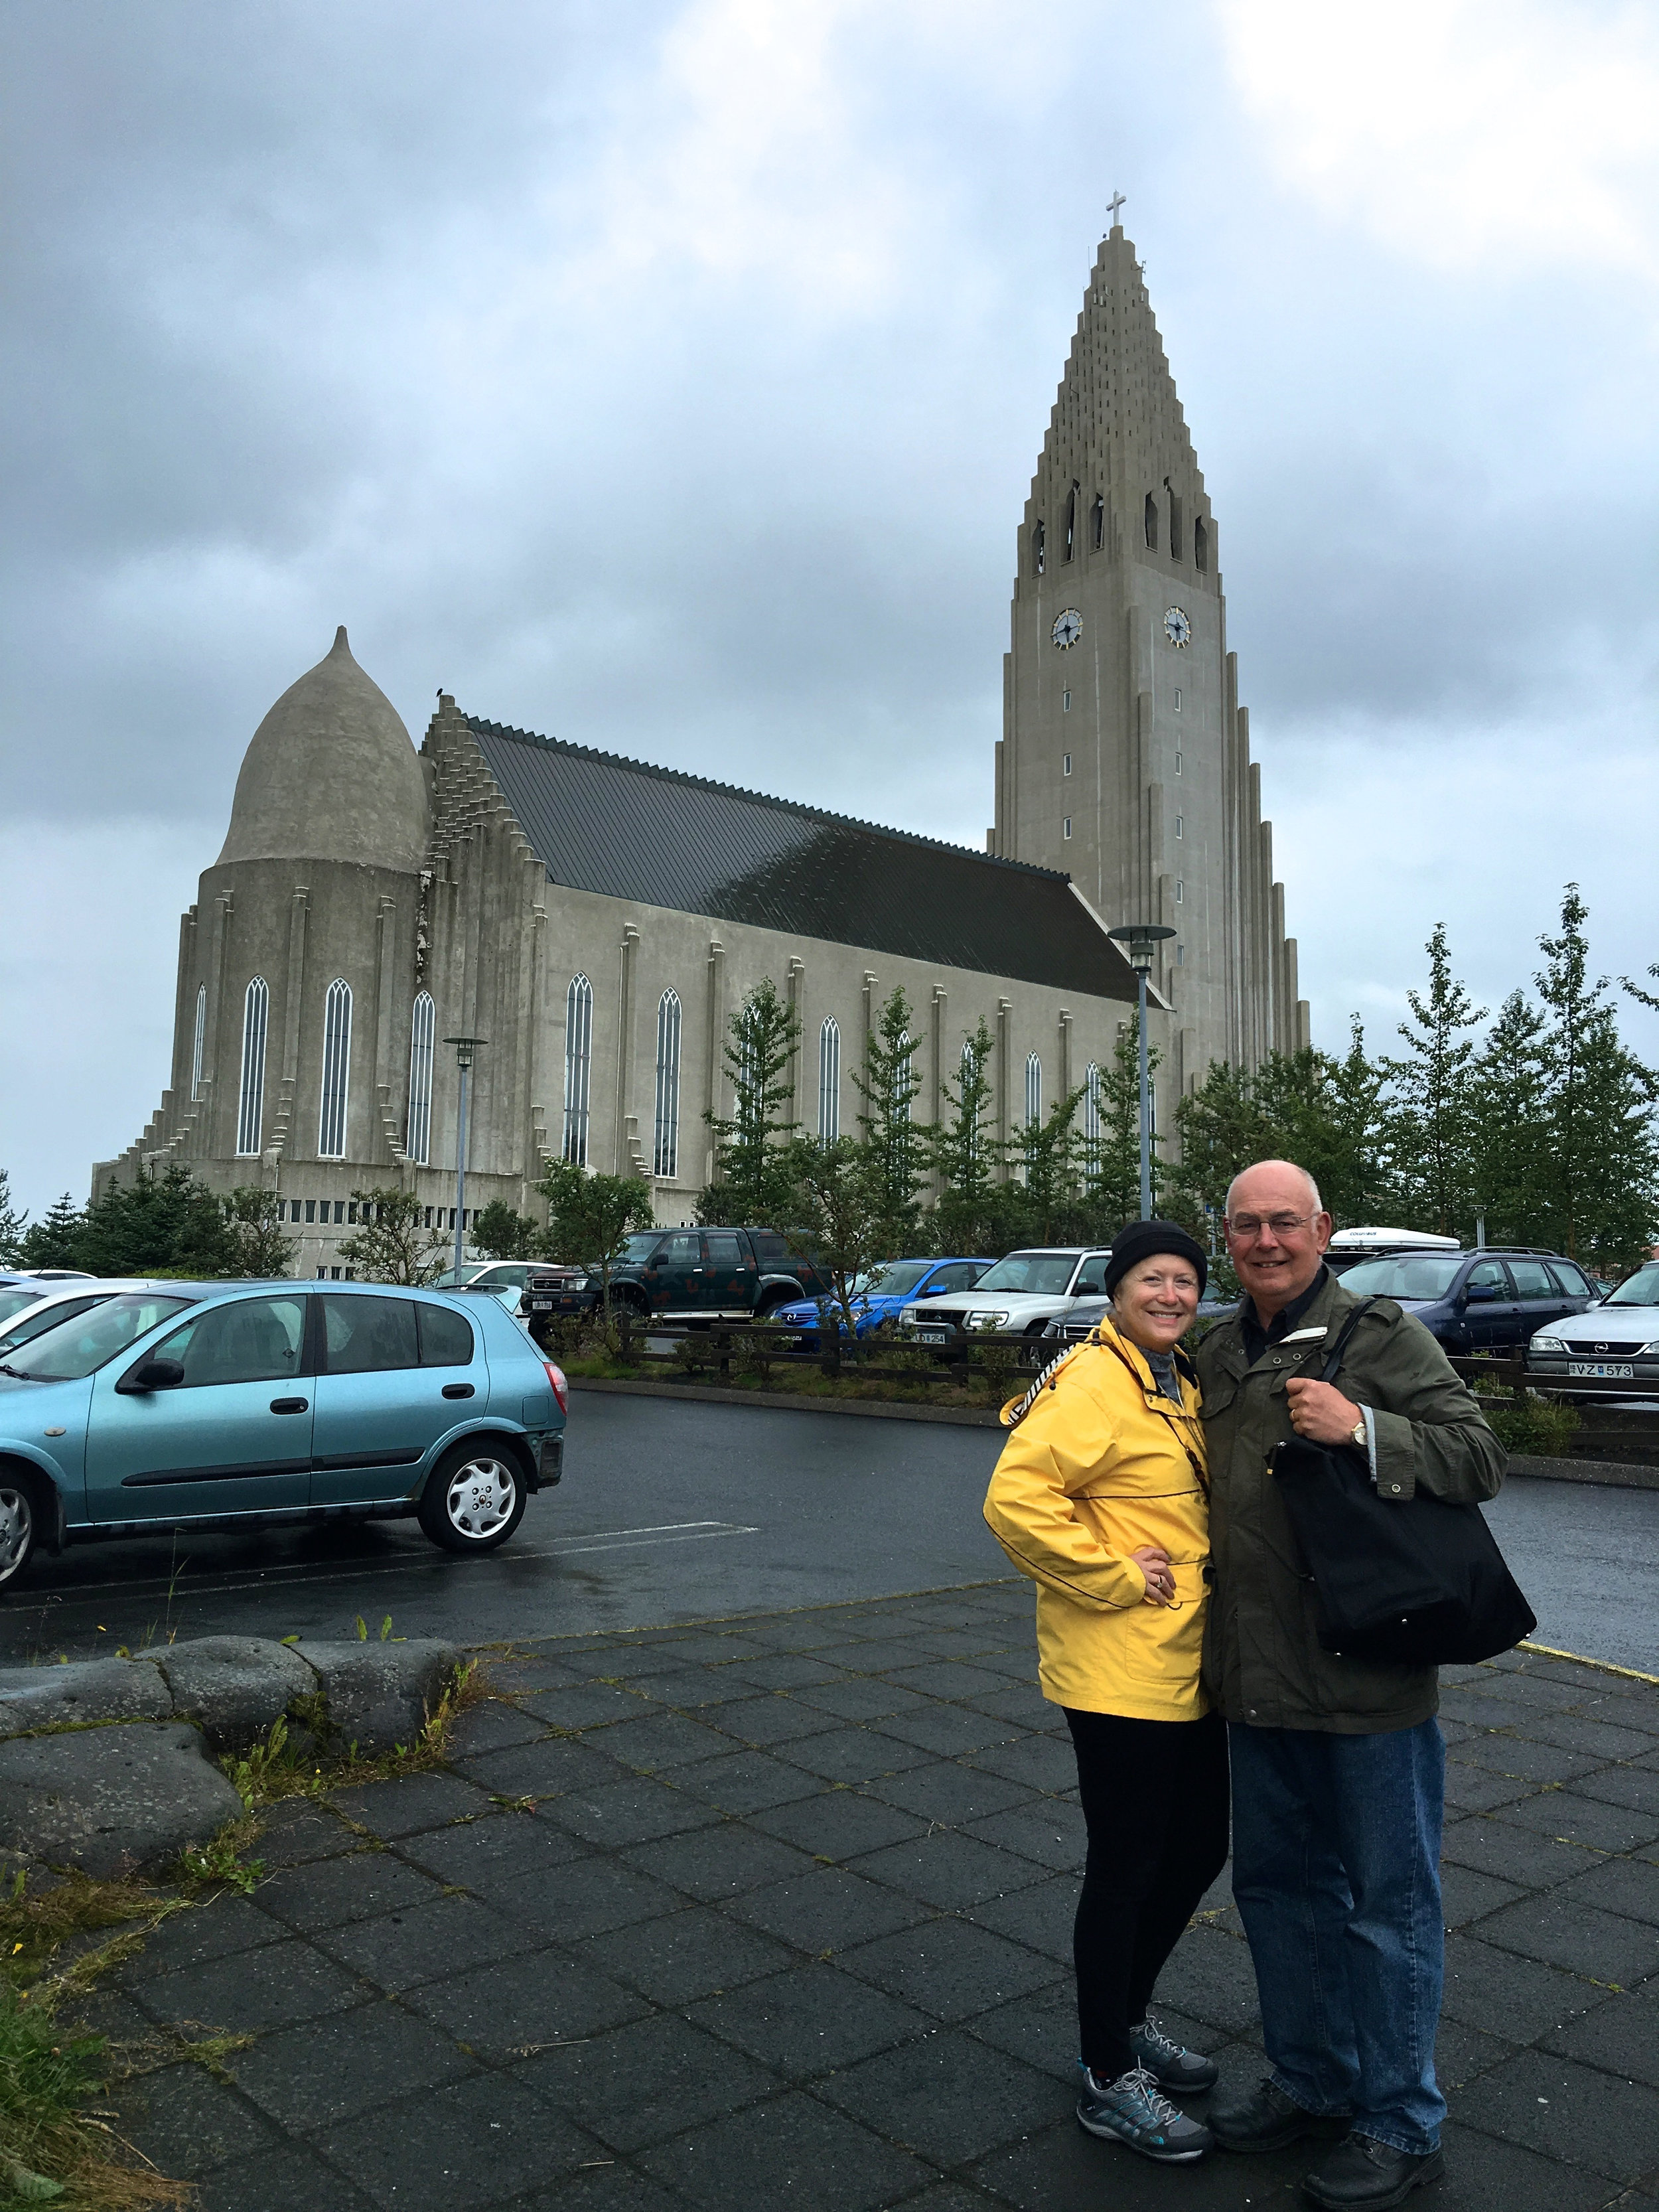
<point>1630,1674</point>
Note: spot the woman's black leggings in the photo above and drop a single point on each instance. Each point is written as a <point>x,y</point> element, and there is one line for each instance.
<point>1155,1798</point>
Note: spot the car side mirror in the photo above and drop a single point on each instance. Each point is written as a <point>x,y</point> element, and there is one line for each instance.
<point>1480,1294</point>
<point>152,1375</point>
<point>933,1291</point>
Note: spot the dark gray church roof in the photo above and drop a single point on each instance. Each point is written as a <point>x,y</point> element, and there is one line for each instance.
<point>627,830</point>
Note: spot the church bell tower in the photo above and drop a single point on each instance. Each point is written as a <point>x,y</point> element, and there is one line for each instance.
<point>1125,760</point>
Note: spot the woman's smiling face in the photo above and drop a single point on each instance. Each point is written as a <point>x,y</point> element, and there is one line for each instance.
<point>1155,1302</point>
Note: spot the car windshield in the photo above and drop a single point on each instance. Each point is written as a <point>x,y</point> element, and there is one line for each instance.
<point>43,1318</point>
<point>640,1247</point>
<point>457,1279</point>
<point>1043,1274</point>
<point>1641,1289</point>
<point>896,1281</point>
<point>1403,1277</point>
<point>82,1345</point>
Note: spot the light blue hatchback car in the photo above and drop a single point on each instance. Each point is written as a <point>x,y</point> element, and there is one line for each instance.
<point>237,1405</point>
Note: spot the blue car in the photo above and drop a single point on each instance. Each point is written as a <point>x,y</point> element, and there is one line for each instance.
<point>227,1406</point>
<point>880,1297</point>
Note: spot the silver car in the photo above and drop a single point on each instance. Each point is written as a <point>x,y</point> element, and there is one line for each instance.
<point>1617,1341</point>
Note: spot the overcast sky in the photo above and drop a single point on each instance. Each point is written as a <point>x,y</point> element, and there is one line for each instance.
<point>670,378</point>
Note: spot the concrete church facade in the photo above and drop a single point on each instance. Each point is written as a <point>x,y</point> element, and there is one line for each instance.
<point>598,920</point>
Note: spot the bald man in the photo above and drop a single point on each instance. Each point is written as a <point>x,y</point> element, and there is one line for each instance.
<point>1338,1766</point>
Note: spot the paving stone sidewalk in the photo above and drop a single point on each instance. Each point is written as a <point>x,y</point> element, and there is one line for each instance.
<point>776,1913</point>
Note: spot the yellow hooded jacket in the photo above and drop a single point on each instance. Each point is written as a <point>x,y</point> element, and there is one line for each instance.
<point>1100,1463</point>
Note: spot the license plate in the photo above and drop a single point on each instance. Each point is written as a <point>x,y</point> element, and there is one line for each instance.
<point>934,1335</point>
<point>1602,1370</point>
<point>541,1305</point>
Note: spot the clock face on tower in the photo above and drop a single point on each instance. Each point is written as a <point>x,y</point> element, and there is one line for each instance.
<point>1068,627</point>
<point>1177,628</point>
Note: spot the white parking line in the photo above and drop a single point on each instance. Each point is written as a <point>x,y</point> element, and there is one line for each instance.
<point>603,1539</point>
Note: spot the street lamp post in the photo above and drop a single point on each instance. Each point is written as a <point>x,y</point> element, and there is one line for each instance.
<point>465,1047</point>
<point>1140,940</point>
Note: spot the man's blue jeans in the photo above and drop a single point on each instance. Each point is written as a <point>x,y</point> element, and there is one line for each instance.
<point>1336,1873</point>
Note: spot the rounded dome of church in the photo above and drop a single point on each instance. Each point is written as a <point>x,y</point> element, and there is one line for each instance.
<point>331,775</point>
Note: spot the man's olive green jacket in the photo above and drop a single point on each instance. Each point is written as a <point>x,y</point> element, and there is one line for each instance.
<point>1263,1663</point>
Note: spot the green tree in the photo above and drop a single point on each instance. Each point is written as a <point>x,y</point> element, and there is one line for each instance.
<point>157,1223</point>
<point>13,1223</point>
<point>1325,1114</point>
<point>752,1178</point>
<point>259,1245</point>
<point>50,1242</point>
<point>965,1153</point>
<point>1510,1139</point>
<point>1431,1129</point>
<point>894,1144</point>
<point>393,1244</point>
<point>1113,1160</point>
<point>590,1216</point>
<point>1052,1151</point>
<point>841,1214</point>
<point>499,1231</point>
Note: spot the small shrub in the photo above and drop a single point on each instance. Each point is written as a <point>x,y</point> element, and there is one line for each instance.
<point>996,1366</point>
<point>1535,1428</point>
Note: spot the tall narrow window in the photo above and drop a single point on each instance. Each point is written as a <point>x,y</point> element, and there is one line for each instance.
<point>1066,827</point>
<point>578,1068</point>
<point>337,1070</point>
<point>830,1081</point>
<point>1175,527</point>
<point>1033,1089</point>
<point>667,1153</point>
<point>1200,545</point>
<point>1091,1118</point>
<point>1152,522</point>
<point>422,1029</point>
<point>904,1097</point>
<point>1070,518</point>
<point>251,1098</point>
<point>1178,820</point>
<point>1039,557</point>
<point>199,1042</point>
<point>1097,524</point>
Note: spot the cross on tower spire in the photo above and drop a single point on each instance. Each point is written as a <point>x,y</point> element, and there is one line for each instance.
<point>1112,206</point>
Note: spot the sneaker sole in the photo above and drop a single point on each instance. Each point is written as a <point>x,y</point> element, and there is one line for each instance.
<point>1103,2133</point>
<point>1425,2176</point>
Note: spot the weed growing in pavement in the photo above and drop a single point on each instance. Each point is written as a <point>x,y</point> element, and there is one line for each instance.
<point>278,1766</point>
<point>218,1862</point>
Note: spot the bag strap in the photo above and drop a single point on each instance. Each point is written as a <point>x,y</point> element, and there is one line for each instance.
<point>1334,1360</point>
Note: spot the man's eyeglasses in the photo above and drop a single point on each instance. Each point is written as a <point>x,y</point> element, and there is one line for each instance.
<point>1249,1226</point>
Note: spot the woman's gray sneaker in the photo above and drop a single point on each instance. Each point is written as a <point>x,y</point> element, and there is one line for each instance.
<point>1133,2110</point>
<point>1169,2066</point>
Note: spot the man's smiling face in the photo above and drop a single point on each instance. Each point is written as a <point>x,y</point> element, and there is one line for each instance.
<point>1276,1234</point>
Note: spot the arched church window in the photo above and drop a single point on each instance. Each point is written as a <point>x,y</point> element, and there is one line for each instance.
<point>1200,545</point>
<point>1033,1089</point>
<point>250,1092</point>
<point>1175,527</point>
<point>1152,522</point>
<point>1039,560</point>
<point>971,1075</point>
<point>422,1029</point>
<point>830,1081</point>
<point>1070,518</point>
<point>904,1075</point>
<point>578,1068</point>
<point>199,1042</point>
<point>1097,523</point>
<point>667,1155</point>
<point>1091,1118</point>
<point>337,1070</point>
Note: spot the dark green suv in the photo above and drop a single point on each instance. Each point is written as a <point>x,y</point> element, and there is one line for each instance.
<point>734,1274</point>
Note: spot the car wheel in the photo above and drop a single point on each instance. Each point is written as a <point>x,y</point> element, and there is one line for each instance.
<point>20,1525</point>
<point>474,1498</point>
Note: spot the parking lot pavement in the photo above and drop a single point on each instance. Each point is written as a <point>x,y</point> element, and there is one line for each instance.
<point>776,1913</point>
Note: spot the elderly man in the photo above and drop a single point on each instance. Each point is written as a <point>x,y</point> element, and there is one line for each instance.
<point>1338,1765</point>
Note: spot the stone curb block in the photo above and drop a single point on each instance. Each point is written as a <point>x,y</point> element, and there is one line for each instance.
<point>379,1694</point>
<point>111,1800</point>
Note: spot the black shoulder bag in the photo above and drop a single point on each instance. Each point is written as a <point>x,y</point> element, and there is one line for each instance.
<point>1417,1584</point>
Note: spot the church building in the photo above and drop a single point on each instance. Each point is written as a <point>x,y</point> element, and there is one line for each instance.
<point>595,920</point>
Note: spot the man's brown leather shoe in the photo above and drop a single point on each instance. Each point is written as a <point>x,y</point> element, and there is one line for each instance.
<point>1364,2175</point>
<point>1266,2119</point>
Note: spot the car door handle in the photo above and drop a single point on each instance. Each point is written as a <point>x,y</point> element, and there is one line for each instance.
<point>289,1405</point>
<point>458,1391</point>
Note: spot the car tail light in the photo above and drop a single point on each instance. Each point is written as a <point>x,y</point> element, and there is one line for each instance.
<point>560,1388</point>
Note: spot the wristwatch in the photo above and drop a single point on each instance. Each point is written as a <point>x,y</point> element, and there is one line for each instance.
<point>1360,1434</point>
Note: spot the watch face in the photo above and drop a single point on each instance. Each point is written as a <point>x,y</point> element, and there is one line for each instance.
<point>1067,629</point>
<point>1177,628</point>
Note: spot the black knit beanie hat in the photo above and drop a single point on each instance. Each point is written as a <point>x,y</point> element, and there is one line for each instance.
<point>1139,1240</point>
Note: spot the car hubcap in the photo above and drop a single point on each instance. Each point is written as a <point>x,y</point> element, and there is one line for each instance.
<point>15,1524</point>
<point>481,1498</point>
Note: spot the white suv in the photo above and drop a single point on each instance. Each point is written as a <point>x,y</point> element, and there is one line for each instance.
<point>1020,1296</point>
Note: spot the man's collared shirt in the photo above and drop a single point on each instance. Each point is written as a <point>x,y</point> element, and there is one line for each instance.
<point>1257,1338</point>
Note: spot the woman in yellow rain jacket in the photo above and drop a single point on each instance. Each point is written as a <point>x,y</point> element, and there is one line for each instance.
<point>1100,1496</point>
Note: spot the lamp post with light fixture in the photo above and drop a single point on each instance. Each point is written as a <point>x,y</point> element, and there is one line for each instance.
<point>465,1047</point>
<point>1140,940</point>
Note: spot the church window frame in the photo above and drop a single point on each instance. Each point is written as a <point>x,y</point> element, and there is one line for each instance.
<point>198,1041</point>
<point>1039,548</point>
<point>1070,520</point>
<point>337,1070</point>
<point>1201,544</point>
<point>422,1032</point>
<point>828,1080</point>
<point>1033,1089</point>
<point>1151,522</point>
<point>1097,524</point>
<point>665,1151</point>
<point>250,1090</point>
<point>1174,521</point>
<point>1066,827</point>
<point>1091,1118</point>
<point>578,1069</point>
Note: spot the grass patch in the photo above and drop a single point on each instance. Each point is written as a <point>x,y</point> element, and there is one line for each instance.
<point>316,1765</point>
<point>1535,1428</point>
